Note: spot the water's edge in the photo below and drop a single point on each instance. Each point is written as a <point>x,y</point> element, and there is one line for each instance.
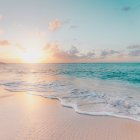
<point>74,106</point>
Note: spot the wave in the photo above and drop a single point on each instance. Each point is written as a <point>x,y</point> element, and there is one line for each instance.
<point>82,100</point>
<point>93,113</point>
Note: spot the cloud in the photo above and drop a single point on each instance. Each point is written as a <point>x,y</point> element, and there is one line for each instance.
<point>57,24</point>
<point>73,51</point>
<point>106,53</point>
<point>134,50</point>
<point>73,27</point>
<point>134,47</point>
<point>129,8</point>
<point>72,55</point>
<point>54,25</point>
<point>134,53</point>
<point>88,55</point>
<point>126,8</point>
<point>4,43</point>
<point>67,21</point>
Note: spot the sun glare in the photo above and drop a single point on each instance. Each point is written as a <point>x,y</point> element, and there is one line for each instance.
<point>32,55</point>
<point>32,51</point>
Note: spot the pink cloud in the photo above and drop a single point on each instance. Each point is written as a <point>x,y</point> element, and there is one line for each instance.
<point>4,43</point>
<point>54,25</point>
<point>57,55</point>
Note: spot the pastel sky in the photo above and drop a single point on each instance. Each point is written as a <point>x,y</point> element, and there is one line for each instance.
<point>47,31</point>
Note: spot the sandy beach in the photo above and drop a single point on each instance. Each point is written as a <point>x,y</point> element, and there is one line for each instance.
<point>69,70</point>
<point>29,117</point>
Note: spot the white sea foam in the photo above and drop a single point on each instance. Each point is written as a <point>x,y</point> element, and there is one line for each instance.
<point>93,89</point>
<point>84,100</point>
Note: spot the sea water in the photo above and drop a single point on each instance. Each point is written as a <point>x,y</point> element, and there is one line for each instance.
<point>111,89</point>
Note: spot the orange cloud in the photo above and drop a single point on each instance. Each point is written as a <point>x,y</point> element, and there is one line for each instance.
<point>4,43</point>
<point>57,55</point>
<point>54,25</point>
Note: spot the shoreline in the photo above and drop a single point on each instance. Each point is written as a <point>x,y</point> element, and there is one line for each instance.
<point>75,108</point>
<point>24,116</point>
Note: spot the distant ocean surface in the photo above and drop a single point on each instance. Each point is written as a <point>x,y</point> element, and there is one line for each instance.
<point>111,89</point>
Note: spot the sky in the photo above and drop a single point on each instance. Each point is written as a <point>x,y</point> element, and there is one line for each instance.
<point>68,31</point>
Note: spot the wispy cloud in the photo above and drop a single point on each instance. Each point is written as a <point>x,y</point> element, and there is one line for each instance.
<point>73,27</point>
<point>57,24</point>
<point>67,21</point>
<point>72,55</point>
<point>106,53</point>
<point>129,8</point>
<point>126,8</point>
<point>73,50</point>
<point>4,43</point>
<point>88,56</point>
<point>134,47</point>
<point>134,50</point>
<point>134,53</point>
<point>54,25</point>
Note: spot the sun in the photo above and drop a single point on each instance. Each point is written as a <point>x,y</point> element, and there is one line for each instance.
<point>32,55</point>
<point>31,51</point>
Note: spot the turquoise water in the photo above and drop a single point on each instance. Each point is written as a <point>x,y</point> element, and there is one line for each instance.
<point>129,72</point>
<point>96,89</point>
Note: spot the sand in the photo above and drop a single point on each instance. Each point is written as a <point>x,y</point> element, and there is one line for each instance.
<point>29,117</point>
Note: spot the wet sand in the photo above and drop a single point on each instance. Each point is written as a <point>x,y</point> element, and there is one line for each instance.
<point>29,117</point>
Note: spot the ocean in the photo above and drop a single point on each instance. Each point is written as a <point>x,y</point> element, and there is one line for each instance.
<point>108,89</point>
